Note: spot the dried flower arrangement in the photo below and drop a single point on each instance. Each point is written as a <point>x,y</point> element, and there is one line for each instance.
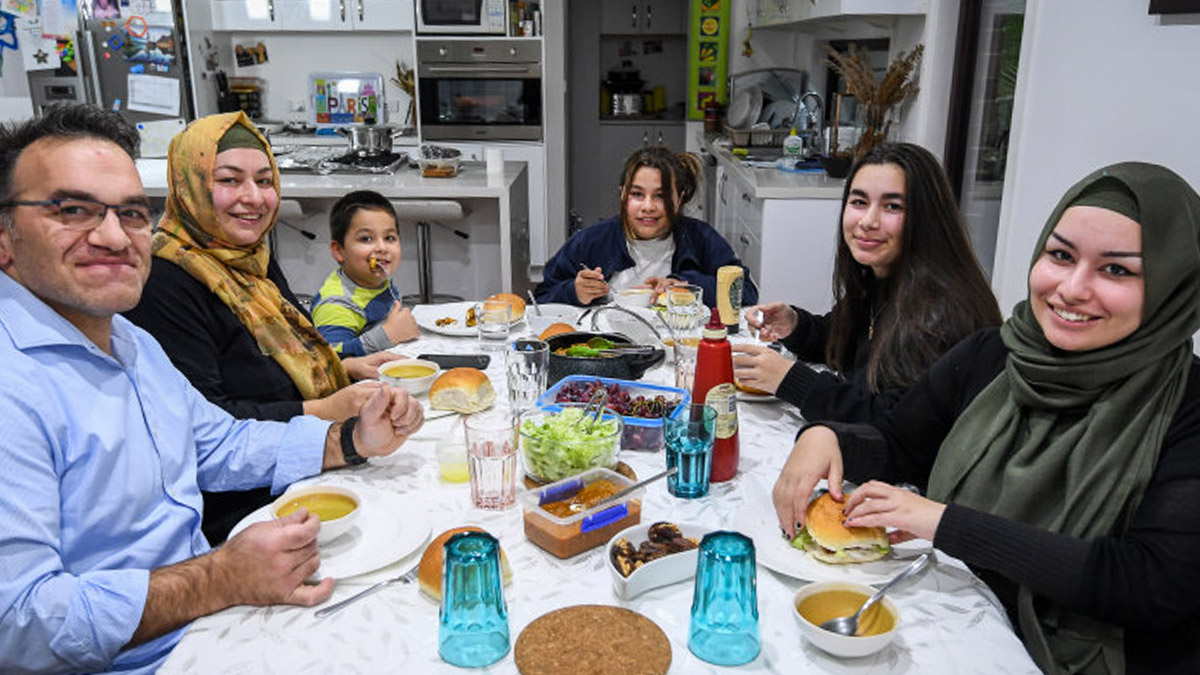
<point>876,98</point>
<point>406,79</point>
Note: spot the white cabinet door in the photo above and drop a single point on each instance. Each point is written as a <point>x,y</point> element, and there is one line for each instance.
<point>389,15</point>
<point>643,17</point>
<point>244,15</point>
<point>314,15</point>
<point>799,239</point>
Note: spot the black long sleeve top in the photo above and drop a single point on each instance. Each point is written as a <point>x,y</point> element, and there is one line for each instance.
<point>1146,579</point>
<point>825,395</point>
<point>207,343</point>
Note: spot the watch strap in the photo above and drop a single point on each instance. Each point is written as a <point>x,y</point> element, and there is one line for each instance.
<point>349,452</point>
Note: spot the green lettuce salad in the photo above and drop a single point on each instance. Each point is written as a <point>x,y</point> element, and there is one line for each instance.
<point>555,447</point>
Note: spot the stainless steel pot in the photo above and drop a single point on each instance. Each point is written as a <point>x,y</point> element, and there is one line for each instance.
<point>368,140</point>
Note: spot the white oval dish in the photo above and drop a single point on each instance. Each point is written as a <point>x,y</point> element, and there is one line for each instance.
<point>667,570</point>
<point>330,529</point>
<point>844,645</point>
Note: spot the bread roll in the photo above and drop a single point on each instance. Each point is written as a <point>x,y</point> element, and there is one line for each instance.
<point>514,301</point>
<point>556,329</point>
<point>833,542</point>
<point>464,390</point>
<point>430,572</point>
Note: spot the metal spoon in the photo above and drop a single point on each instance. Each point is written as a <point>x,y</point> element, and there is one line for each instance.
<point>536,307</point>
<point>848,625</point>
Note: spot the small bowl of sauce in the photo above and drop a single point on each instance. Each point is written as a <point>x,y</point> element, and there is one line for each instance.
<point>336,506</point>
<point>413,375</point>
<point>819,602</point>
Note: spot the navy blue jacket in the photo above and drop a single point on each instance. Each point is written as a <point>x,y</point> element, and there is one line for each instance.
<point>699,251</point>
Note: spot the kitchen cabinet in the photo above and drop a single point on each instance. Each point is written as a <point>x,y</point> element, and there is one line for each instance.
<point>313,15</point>
<point>599,177</point>
<point>800,13</point>
<point>643,17</point>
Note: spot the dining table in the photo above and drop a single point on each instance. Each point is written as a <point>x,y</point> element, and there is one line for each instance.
<point>950,622</point>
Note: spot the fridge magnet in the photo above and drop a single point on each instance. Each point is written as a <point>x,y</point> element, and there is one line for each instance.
<point>710,26</point>
<point>115,43</point>
<point>8,35</point>
<point>157,46</point>
<point>37,52</point>
<point>26,9</point>
<point>105,9</point>
<point>250,55</point>
<point>709,52</point>
<point>136,26</point>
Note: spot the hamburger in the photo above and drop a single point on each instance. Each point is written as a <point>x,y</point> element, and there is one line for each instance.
<point>826,537</point>
<point>429,572</point>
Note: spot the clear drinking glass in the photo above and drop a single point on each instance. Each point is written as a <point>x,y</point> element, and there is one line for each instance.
<point>492,321</point>
<point>492,458</point>
<point>688,434</point>
<point>526,364</point>
<point>685,351</point>
<point>473,619</point>
<point>686,312</point>
<point>724,626</point>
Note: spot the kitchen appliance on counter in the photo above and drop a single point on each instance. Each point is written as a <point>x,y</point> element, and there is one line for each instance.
<point>469,17</point>
<point>473,90</point>
<point>324,160</point>
<point>624,85</point>
<point>138,67</point>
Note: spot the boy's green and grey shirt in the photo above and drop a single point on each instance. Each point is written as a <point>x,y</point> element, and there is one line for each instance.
<point>350,317</point>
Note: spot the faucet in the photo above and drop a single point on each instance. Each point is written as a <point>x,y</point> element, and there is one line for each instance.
<point>810,125</point>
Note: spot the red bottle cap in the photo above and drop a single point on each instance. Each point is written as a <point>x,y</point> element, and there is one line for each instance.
<point>715,328</point>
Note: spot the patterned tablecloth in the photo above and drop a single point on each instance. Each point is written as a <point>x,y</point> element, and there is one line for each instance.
<point>950,622</point>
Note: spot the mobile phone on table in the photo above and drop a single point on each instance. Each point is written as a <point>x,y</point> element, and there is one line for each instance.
<point>447,361</point>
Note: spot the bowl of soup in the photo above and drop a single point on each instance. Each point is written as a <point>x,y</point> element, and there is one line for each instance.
<point>634,297</point>
<point>413,375</point>
<point>336,506</point>
<point>819,602</point>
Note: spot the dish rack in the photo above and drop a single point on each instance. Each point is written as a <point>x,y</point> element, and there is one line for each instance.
<point>757,137</point>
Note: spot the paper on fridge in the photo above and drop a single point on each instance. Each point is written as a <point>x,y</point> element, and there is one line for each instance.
<point>153,94</point>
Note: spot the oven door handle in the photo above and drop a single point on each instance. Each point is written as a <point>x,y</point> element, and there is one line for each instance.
<point>474,71</point>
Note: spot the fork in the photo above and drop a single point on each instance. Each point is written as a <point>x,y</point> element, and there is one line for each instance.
<point>406,578</point>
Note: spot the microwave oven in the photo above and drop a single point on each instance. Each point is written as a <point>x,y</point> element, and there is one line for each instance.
<point>468,17</point>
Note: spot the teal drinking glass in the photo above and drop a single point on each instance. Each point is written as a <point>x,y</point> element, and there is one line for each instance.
<point>724,627</point>
<point>688,433</point>
<point>473,620</point>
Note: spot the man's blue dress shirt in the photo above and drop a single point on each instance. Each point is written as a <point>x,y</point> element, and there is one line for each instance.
<point>101,463</point>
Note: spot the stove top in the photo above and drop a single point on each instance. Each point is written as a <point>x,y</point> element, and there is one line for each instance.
<point>324,161</point>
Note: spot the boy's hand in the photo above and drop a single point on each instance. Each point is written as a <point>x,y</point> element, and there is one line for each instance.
<point>400,325</point>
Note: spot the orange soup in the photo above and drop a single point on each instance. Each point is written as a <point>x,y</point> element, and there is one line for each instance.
<point>408,372</point>
<point>326,505</point>
<point>821,607</point>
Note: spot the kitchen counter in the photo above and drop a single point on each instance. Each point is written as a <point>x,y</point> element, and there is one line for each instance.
<point>496,217</point>
<point>771,183</point>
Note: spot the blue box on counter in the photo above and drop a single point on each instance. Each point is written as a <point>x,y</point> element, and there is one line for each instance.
<point>641,433</point>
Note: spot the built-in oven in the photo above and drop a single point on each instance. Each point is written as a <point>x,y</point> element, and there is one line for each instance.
<point>471,90</point>
<point>469,17</point>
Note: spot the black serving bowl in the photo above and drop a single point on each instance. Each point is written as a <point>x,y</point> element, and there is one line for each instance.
<point>629,366</point>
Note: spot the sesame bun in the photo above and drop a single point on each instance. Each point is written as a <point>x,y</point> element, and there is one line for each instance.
<point>514,301</point>
<point>430,572</point>
<point>464,390</point>
<point>833,542</point>
<point>556,329</point>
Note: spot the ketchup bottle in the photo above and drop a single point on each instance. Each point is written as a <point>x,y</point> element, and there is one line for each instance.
<point>714,386</point>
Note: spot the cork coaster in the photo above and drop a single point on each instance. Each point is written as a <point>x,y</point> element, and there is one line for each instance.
<point>592,640</point>
<point>622,468</point>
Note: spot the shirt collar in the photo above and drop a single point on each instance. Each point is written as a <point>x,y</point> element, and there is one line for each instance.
<point>31,324</point>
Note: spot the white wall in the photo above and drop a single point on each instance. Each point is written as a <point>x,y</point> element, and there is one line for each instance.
<point>1099,82</point>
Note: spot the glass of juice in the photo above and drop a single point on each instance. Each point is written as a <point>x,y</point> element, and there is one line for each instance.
<point>689,435</point>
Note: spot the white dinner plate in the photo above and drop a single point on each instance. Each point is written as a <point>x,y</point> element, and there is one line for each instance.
<point>750,397</point>
<point>428,315</point>
<point>776,553</point>
<point>391,527</point>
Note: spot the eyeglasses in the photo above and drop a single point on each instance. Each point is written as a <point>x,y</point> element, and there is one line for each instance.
<point>87,214</point>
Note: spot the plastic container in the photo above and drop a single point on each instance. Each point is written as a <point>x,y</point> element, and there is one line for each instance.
<point>793,146</point>
<point>714,386</point>
<point>730,279</point>
<point>641,433</point>
<point>564,537</point>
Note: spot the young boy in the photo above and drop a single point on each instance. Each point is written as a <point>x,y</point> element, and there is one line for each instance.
<point>357,310</point>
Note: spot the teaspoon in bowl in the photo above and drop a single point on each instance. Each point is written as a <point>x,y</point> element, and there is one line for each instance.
<point>848,625</point>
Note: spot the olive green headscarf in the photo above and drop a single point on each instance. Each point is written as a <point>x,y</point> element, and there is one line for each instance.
<point>1067,441</point>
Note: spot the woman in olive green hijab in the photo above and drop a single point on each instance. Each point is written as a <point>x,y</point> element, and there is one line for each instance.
<point>1061,452</point>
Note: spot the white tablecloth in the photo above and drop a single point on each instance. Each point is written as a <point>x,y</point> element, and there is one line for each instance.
<point>950,622</point>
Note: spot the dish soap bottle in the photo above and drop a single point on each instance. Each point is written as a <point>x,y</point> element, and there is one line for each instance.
<point>793,146</point>
<point>714,386</point>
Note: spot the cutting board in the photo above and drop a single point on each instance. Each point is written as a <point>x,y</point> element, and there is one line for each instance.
<point>156,136</point>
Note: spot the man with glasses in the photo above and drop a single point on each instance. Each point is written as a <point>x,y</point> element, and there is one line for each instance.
<point>104,446</point>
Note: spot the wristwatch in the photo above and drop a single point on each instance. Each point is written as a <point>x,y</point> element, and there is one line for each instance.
<point>347,437</point>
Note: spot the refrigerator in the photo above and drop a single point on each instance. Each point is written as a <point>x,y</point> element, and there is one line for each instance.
<point>135,64</point>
